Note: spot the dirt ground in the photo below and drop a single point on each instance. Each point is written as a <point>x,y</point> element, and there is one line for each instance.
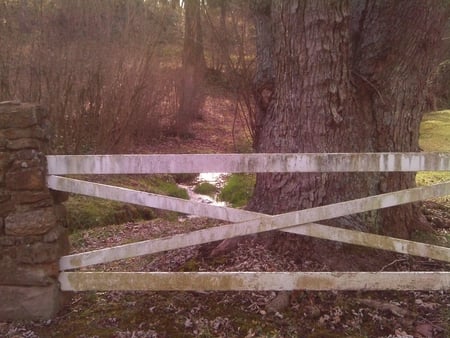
<point>239,314</point>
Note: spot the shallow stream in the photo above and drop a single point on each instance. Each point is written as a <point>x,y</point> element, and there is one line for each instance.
<point>216,179</point>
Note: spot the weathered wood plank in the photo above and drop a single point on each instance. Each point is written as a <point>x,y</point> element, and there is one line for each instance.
<point>232,163</point>
<point>141,248</point>
<point>235,215</point>
<point>261,224</point>
<point>372,241</point>
<point>249,281</point>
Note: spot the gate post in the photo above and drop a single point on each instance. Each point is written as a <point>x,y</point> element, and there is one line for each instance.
<point>32,233</point>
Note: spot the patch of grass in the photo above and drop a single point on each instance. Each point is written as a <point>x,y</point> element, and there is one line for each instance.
<point>171,189</point>
<point>435,131</point>
<point>158,184</point>
<point>432,177</point>
<point>165,185</point>
<point>238,189</point>
<point>205,188</point>
<point>434,136</point>
<point>85,212</point>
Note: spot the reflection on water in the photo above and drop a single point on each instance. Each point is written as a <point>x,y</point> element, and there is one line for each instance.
<point>217,179</point>
<point>208,177</point>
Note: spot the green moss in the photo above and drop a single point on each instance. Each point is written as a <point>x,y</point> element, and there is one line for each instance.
<point>85,212</point>
<point>171,189</point>
<point>166,185</point>
<point>238,189</point>
<point>205,188</point>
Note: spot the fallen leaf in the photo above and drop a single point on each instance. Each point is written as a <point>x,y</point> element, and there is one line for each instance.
<point>425,330</point>
<point>382,306</point>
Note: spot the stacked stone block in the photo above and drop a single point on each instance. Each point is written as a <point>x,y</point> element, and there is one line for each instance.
<point>32,233</point>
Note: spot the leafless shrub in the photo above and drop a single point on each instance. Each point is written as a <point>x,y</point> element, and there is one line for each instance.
<point>231,56</point>
<point>93,64</point>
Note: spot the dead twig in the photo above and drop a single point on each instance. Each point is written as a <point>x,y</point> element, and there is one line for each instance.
<point>392,263</point>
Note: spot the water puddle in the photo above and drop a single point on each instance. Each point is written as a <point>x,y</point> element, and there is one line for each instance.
<point>216,179</point>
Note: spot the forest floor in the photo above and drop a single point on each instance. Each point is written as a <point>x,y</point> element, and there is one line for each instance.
<point>240,314</point>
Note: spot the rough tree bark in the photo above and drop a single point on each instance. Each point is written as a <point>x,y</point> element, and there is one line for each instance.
<point>348,76</point>
<point>194,66</point>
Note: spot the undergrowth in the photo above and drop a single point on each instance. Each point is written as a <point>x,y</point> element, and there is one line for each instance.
<point>434,137</point>
<point>205,188</point>
<point>238,189</point>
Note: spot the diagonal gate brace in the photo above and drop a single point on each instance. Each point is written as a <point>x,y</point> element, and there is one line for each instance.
<point>249,222</point>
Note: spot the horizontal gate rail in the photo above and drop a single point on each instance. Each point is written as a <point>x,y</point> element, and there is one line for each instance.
<point>252,281</point>
<point>260,224</point>
<point>233,163</point>
<point>247,222</point>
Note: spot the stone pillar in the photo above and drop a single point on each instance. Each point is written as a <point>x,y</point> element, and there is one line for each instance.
<point>32,233</point>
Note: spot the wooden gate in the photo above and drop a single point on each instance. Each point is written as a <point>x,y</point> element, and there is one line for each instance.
<point>303,222</point>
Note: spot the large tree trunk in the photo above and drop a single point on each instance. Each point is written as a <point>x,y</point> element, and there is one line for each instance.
<point>194,66</point>
<point>348,78</point>
<point>397,59</point>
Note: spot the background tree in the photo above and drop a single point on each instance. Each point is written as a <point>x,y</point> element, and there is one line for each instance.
<point>348,76</point>
<point>263,81</point>
<point>194,67</point>
<point>230,51</point>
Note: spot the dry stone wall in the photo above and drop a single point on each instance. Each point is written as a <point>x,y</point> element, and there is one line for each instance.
<point>32,232</point>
